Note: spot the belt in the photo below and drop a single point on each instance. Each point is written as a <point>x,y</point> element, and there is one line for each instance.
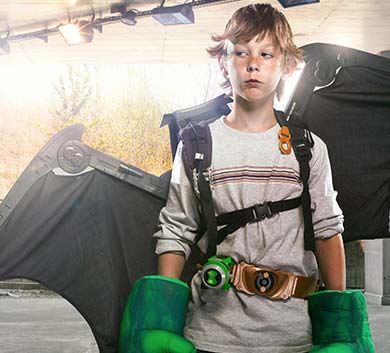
<point>274,284</point>
<point>222,272</point>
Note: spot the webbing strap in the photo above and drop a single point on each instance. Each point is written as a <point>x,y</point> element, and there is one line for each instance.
<point>303,154</point>
<point>201,156</point>
<point>239,218</point>
<point>207,206</point>
<point>310,244</point>
<point>302,142</point>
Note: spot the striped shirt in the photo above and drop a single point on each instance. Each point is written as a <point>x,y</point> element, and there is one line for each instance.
<point>247,169</point>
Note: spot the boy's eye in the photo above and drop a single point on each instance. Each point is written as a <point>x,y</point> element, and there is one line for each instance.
<point>266,55</point>
<point>241,54</point>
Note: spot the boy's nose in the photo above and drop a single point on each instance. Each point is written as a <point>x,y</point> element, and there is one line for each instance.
<point>253,66</point>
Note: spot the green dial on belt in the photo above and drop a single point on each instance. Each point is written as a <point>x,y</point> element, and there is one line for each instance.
<point>212,277</point>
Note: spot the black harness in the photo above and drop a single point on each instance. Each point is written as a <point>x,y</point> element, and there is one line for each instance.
<point>197,143</point>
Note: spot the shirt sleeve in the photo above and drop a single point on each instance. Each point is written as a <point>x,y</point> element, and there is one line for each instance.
<point>327,216</point>
<point>179,219</point>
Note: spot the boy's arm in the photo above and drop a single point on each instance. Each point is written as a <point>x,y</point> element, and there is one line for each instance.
<point>327,219</point>
<point>331,261</point>
<point>179,219</point>
<point>338,316</point>
<point>171,264</point>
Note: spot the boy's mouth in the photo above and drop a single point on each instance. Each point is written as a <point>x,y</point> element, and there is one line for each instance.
<point>252,81</point>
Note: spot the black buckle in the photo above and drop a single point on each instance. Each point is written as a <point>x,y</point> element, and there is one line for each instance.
<point>261,211</point>
<point>302,152</point>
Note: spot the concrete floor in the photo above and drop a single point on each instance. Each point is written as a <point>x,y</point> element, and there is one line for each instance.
<point>35,322</point>
<point>42,324</point>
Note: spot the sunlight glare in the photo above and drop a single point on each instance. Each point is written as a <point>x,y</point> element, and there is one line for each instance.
<point>289,88</point>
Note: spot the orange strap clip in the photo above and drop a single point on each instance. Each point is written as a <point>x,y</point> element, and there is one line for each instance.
<point>284,140</point>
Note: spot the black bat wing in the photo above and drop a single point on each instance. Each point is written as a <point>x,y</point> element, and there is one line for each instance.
<point>81,223</point>
<point>344,97</point>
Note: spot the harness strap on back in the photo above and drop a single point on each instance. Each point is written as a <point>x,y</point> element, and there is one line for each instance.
<point>301,142</point>
<point>306,199</point>
<point>198,146</point>
<point>207,207</point>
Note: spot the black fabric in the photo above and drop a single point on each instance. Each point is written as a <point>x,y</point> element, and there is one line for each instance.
<point>196,138</point>
<point>82,237</point>
<point>290,3</point>
<point>353,117</point>
<point>207,111</point>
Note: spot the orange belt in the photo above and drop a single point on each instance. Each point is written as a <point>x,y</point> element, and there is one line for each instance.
<point>270,283</point>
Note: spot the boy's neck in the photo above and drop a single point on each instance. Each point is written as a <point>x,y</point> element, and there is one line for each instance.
<point>251,117</point>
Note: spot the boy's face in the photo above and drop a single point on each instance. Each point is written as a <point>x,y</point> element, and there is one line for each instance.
<point>254,69</point>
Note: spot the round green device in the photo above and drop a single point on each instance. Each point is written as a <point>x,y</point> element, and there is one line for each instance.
<point>216,272</point>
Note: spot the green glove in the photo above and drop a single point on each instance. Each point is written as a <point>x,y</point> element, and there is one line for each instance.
<point>160,341</point>
<point>340,322</point>
<point>154,317</point>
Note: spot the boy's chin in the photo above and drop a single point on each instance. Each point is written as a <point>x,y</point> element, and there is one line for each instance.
<point>258,97</point>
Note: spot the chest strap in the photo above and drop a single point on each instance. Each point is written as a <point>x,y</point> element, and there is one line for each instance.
<point>239,218</point>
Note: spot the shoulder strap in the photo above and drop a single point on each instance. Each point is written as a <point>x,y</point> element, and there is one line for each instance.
<point>196,138</point>
<point>197,144</point>
<point>302,142</point>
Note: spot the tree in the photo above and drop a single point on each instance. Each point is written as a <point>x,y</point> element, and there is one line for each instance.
<point>125,125</point>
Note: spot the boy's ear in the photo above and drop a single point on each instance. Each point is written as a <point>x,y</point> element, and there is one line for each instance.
<point>222,66</point>
<point>289,70</point>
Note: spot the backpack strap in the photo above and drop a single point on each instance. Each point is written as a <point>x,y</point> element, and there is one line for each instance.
<point>302,142</point>
<point>197,143</point>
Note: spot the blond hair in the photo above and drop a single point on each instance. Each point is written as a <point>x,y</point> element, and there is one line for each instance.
<point>260,21</point>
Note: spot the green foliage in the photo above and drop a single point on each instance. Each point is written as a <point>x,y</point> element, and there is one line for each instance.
<point>74,92</point>
<point>125,125</point>
<point>20,141</point>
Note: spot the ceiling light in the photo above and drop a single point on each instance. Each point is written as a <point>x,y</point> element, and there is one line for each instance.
<point>128,18</point>
<point>4,47</point>
<point>77,33</point>
<point>174,15</point>
<point>289,3</point>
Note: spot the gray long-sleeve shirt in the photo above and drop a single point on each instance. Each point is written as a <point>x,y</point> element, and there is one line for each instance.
<point>247,169</point>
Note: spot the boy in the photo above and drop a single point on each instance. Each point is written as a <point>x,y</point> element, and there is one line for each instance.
<point>256,54</point>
